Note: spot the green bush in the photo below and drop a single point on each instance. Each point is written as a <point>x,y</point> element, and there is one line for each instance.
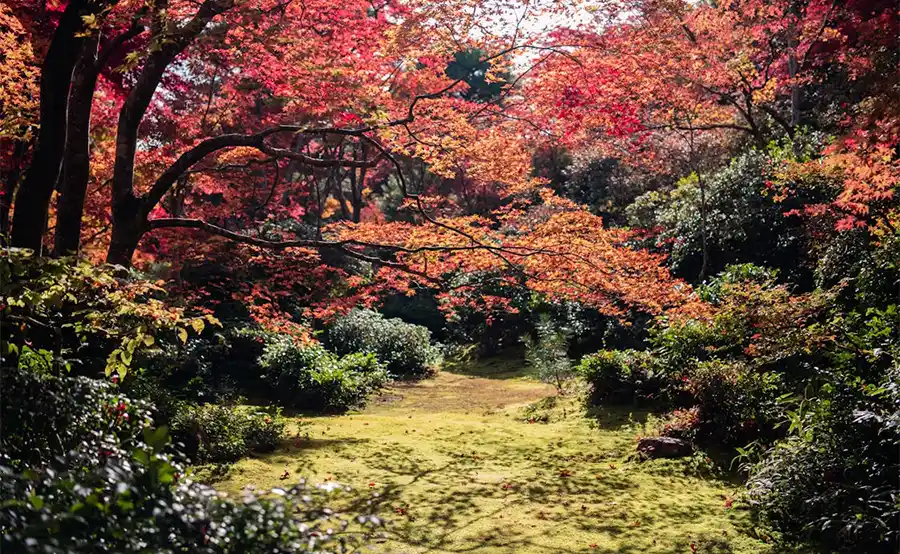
<point>622,376</point>
<point>43,415</point>
<point>82,471</point>
<point>836,479</point>
<point>219,366</point>
<point>735,405</point>
<point>308,377</point>
<point>405,349</point>
<point>219,434</point>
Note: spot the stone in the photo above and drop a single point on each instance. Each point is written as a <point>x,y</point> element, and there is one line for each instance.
<point>663,447</point>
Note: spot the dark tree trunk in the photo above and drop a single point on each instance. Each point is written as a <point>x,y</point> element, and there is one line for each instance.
<point>129,225</point>
<point>704,267</point>
<point>76,160</point>
<point>129,213</point>
<point>33,197</point>
<point>10,180</point>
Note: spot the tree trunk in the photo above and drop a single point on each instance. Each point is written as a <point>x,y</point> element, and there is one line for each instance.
<point>129,225</point>
<point>129,212</point>
<point>33,197</point>
<point>76,159</point>
<point>704,266</point>
<point>10,180</point>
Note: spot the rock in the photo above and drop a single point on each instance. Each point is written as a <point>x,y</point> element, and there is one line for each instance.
<point>663,447</point>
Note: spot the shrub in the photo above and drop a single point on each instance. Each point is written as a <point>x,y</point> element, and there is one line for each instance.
<point>622,376</point>
<point>549,355</point>
<point>309,377</point>
<point>43,415</point>
<point>137,501</point>
<point>215,367</point>
<point>405,349</point>
<point>735,405</point>
<point>221,434</point>
<point>83,471</point>
<point>836,479</point>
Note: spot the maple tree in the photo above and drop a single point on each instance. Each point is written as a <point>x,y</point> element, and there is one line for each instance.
<point>399,134</point>
<point>676,88</point>
<point>246,119</point>
<point>270,166</point>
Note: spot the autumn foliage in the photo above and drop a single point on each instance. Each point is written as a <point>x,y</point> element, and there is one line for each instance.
<point>297,137</point>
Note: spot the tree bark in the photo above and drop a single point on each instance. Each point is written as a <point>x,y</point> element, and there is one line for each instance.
<point>10,180</point>
<point>76,158</point>
<point>127,231</point>
<point>33,197</point>
<point>704,266</point>
<point>129,213</point>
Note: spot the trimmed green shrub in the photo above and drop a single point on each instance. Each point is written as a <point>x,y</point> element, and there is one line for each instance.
<point>622,376</point>
<point>221,434</point>
<point>308,377</point>
<point>405,349</point>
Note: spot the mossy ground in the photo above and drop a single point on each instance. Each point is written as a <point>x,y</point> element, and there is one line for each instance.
<point>459,468</point>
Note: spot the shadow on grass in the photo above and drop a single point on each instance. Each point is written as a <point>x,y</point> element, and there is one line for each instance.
<point>617,417</point>
<point>508,365</point>
<point>449,507</point>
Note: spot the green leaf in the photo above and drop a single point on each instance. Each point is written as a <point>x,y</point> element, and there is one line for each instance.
<point>156,438</point>
<point>142,457</point>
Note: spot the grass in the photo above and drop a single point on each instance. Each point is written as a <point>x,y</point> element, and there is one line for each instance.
<point>459,468</point>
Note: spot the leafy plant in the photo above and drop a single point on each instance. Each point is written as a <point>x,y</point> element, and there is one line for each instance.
<point>836,479</point>
<point>64,307</point>
<point>309,377</point>
<point>217,434</point>
<point>549,355</point>
<point>83,466</point>
<point>623,376</point>
<point>405,349</point>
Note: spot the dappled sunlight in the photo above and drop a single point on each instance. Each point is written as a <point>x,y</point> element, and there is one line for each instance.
<point>458,467</point>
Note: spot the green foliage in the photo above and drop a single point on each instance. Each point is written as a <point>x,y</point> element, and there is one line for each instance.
<point>45,415</point>
<point>735,404</point>
<point>215,367</point>
<point>869,264</point>
<point>65,307</point>
<point>836,479</point>
<point>743,224</point>
<point>549,354</point>
<point>619,376</point>
<point>468,65</point>
<point>221,434</point>
<point>715,291</point>
<point>82,466</point>
<point>405,349</point>
<point>308,377</point>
